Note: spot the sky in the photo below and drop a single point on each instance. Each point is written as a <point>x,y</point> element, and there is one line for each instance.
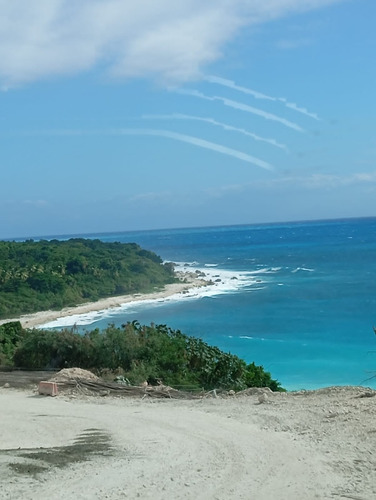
<point>118,115</point>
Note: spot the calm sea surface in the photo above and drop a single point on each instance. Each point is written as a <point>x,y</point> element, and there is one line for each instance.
<point>297,298</point>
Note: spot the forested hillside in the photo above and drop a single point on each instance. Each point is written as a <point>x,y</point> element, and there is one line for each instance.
<point>40,275</point>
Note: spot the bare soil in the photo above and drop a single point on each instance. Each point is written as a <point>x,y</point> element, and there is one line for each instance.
<point>252,445</point>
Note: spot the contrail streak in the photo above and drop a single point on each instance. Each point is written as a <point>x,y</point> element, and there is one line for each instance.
<point>201,143</point>
<point>258,95</point>
<point>225,126</point>
<point>232,85</point>
<point>304,111</point>
<point>196,141</point>
<point>259,112</point>
<point>243,107</point>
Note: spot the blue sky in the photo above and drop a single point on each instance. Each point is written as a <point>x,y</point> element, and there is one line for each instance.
<point>122,115</point>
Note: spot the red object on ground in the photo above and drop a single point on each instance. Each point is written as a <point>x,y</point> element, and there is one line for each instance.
<point>48,388</point>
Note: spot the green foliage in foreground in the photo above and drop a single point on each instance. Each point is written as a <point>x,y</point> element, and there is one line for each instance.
<point>11,335</point>
<point>153,353</point>
<point>40,275</point>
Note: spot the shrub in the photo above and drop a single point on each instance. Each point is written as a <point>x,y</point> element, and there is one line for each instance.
<point>153,353</point>
<point>11,334</point>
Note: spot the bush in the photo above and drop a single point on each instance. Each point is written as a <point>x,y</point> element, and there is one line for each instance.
<point>11,334</point>
<point>153,353</point>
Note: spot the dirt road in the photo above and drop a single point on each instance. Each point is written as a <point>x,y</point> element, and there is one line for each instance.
<point>310,445</point>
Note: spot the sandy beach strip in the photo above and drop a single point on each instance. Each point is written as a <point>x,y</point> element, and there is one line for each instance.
<point>188,281</point>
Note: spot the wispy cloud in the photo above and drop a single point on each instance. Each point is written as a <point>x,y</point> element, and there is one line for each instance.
<point>242,107</point>
<point>158,198</point>
<point>293,43</point>
<point>258,95</point>
<point>225,126</point>
<point>299,109</point>
<point>232,85</point>
<point>321,181</point>
<point>260,112</point>
<point>202,143</point>
<point>36,203</point>
<point>166,40</point>
<point>312,182</point>
<point>196,141</point>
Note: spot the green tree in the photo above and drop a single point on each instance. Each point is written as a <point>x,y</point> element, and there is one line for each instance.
<point>11,334</point>
<point>39,275</point>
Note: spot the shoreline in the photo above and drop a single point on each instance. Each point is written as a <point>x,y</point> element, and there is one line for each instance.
<point>188,281</point>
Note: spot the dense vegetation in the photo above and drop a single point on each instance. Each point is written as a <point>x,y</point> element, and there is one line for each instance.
<point>40,275</point>
<point>11,336</point>
<point>138,353</point>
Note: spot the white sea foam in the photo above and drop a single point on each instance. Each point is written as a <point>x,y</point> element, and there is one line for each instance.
<point>303,269</point>
<point>220,282</point>
<point>262,339</point>
<point>266,270</point>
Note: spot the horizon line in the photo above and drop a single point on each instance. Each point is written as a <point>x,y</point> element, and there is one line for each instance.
<point>274,223</point>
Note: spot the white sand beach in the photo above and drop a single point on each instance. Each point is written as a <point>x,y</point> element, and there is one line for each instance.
<point>305,445</point>
<point>188,282</point>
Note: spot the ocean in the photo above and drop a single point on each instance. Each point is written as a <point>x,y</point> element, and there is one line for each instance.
<point>297,298</point>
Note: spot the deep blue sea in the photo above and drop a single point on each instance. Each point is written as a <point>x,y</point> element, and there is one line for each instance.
<point>298,298</point>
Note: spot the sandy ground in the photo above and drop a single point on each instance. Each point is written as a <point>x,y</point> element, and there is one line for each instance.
<point>304,445</point>
<point>189,281</point>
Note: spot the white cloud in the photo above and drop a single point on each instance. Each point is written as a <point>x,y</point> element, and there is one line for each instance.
<point>166,40</point>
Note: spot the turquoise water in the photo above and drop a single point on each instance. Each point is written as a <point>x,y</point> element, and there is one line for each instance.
<point>297,298</point>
